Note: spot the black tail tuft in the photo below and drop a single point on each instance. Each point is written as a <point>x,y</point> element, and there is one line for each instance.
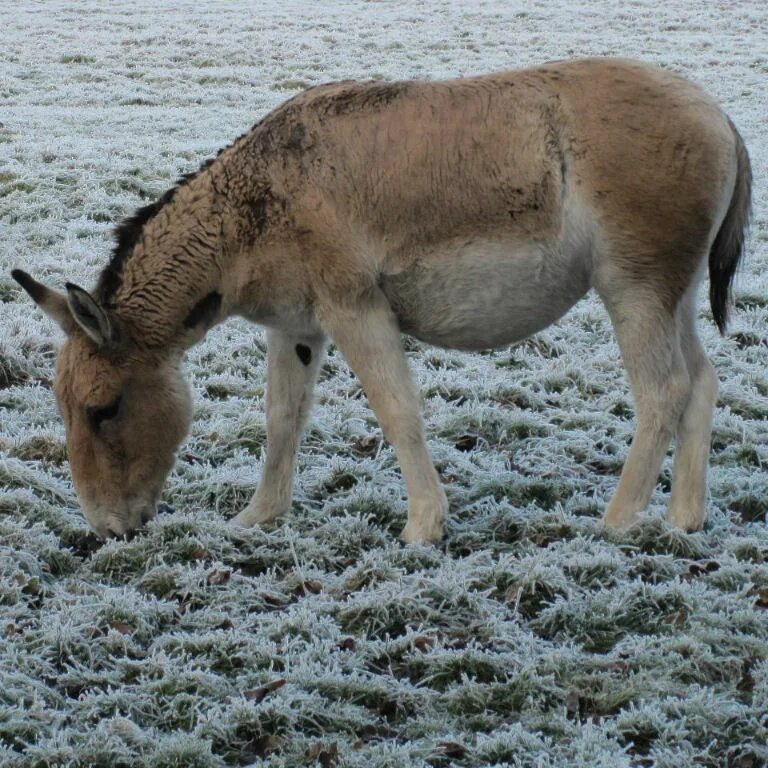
<point>728,247</point>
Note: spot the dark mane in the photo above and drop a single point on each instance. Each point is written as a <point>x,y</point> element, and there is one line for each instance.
<point>128,233</point>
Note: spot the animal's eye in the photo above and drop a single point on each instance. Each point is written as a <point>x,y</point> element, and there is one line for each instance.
<point>99,415</point>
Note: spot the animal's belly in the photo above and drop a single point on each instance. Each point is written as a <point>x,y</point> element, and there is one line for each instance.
<point>484,295</point>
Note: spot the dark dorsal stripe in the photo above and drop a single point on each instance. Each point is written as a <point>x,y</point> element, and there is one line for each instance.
<point>304,353</point>
<point>204,311</point>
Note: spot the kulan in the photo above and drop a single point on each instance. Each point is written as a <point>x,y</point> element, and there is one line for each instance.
<point>468,213</point>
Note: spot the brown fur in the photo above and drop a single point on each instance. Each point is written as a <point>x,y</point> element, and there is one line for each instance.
<point>348,200</point>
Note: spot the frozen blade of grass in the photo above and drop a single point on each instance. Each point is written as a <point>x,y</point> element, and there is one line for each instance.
<point>18,474</point>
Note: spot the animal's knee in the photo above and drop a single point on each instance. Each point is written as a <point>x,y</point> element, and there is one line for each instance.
<point>403,429</point>
<point>705,380</point>
<point>678,391</point>
<point>665,399</point>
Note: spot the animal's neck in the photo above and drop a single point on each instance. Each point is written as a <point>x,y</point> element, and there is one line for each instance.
<point>175,267</point>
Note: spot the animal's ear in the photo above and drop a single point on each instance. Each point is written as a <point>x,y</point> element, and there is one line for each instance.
<point>88,314</point>
<point>53,303</point>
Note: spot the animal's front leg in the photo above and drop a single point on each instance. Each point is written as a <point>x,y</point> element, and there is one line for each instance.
<point>292,365</point>
<point>369,338</point>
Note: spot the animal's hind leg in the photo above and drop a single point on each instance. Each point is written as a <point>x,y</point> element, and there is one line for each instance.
<point>292,365</point>
<point>649,339</point>
<point>694,430</point>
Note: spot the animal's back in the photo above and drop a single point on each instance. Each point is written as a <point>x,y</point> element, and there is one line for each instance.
<point>421,162</point>
<point>505,182</point>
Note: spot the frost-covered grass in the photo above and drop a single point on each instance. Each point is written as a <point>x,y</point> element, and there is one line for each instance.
<point>532,638</point>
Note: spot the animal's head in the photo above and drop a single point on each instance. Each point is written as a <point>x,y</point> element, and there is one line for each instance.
<point>125,409</point>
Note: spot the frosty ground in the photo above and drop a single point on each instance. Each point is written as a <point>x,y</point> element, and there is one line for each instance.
<point>532,637</point>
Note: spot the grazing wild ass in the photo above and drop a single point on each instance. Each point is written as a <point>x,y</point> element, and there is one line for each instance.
<point>468,213</point>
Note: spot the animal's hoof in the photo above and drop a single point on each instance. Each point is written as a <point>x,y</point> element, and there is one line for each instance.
<point>687,520</point>
<point>254,514</point>
<point>618,519</point>
<point>426,520</point>
<point>613,524</point>
<point>247,519</point>
<point>422,534</point>
<point>165,509</point>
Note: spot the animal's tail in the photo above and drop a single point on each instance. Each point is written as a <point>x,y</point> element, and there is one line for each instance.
<point>728,247</point>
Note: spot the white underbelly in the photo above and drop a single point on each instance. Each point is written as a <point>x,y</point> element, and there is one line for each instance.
<point>481,295</point>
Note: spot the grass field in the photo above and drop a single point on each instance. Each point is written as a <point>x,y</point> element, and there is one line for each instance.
<point>532,638</point>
